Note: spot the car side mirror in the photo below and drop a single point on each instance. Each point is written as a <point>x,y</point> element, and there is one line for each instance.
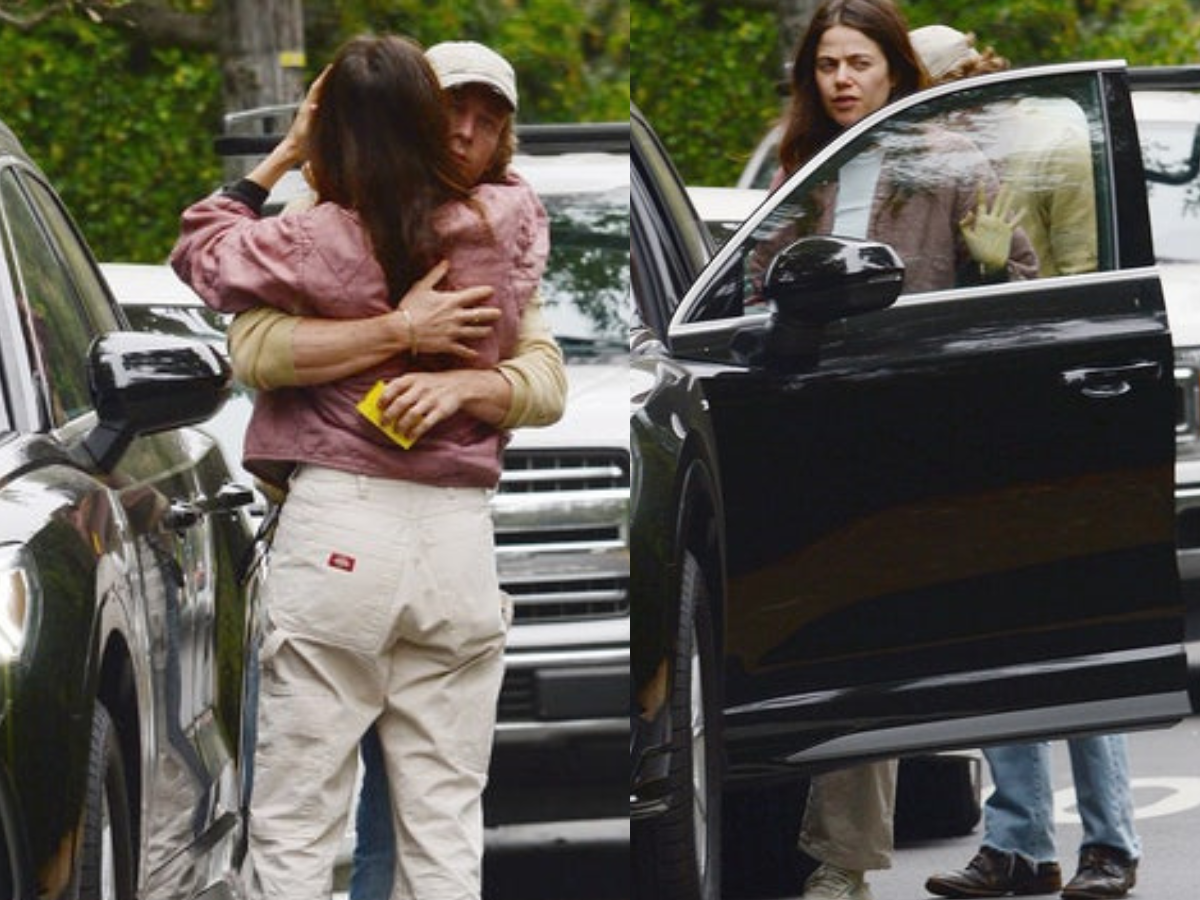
<point>817,280</point>
<point>143,383</point>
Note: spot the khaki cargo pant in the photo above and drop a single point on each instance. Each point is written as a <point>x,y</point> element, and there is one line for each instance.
<point>849,818</point>
<point>382,604</point>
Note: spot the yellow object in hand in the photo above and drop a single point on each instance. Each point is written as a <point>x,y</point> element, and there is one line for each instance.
<point>369,407</point>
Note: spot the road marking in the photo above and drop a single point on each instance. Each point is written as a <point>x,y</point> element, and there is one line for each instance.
<point>1181,795</point>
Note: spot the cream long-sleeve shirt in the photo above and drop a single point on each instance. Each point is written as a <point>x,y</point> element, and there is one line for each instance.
<point>260,346</point>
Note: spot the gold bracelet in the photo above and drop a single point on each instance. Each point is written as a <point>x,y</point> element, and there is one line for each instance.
<point>412,331</point>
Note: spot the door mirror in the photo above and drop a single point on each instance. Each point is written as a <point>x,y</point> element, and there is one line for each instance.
<point>817,280</point>
<point>142,384</point>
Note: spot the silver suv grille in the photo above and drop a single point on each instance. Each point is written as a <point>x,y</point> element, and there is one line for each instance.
<point>562,533</point>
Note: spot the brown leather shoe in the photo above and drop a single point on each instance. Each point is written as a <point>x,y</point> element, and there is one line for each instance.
<point>993,873</point>
<point>1104,872</point>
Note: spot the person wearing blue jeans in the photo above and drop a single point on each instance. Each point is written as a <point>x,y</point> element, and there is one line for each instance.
<point>1018,854</point>
<point>372,874</point>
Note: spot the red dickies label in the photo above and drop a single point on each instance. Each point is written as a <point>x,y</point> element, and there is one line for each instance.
<point>341,561</point>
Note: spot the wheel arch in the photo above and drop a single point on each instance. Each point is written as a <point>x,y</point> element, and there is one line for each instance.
<point>699,528</point>
<point>118,692</point>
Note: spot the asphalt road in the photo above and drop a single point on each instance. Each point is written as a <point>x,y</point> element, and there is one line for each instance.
<point>590,860</point>
<point>1165,771</point>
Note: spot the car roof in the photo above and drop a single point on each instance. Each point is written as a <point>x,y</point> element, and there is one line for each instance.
<point>147,284</point>
<point>725,204</point>
<point>551,156</point>
<point>10,145</point>
<point>574,172</point>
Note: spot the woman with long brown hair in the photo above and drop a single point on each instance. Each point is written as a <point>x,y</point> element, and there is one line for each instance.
<point>884,64</point>
<point>381,599</point>
<point>854,59</point>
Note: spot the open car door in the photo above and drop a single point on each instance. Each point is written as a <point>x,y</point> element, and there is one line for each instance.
<point>948,499</point>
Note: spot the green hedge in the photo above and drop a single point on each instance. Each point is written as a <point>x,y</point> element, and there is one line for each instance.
<point>123,132</point>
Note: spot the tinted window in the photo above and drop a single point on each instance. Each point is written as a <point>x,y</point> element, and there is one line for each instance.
<point>79,267</point>
<point>60,328</point>
<point>913,180</point>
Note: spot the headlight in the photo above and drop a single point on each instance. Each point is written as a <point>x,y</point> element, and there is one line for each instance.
<point>18,584</point>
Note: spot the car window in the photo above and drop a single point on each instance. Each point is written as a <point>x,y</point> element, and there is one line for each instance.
<point>913,179</point>
<point>1169,134</point>
<point>77,261</point>
<point>670,244</point>
<point>61,328</point>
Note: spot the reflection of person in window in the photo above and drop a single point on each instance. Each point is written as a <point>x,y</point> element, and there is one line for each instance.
<point>937,203</point>
<point>1039,147</point>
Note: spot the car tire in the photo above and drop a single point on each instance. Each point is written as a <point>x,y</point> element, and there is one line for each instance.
<point>677,853</point>
<point>106,869</point>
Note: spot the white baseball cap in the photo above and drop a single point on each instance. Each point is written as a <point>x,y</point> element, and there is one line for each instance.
<point>942,48</point>
<point>467,62</point>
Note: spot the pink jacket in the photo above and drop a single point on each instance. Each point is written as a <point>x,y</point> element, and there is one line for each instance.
<point>319,262</point>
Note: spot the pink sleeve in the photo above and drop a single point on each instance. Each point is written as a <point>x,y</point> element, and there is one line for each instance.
<point>236,260</point>
<point>219,238</point>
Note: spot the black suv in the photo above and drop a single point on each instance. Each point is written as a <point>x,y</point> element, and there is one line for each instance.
<point>124,620</point>
<point>869,522</point>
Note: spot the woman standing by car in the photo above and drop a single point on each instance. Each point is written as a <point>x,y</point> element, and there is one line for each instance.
<point>854,59</point>
<point>382,601</point>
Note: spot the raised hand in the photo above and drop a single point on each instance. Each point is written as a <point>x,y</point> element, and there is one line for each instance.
<point>988,232</point>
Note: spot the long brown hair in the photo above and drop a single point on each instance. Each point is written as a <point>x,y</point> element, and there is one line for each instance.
<point>506,147</point>
<point>377,145</point>
<point>808,127</point>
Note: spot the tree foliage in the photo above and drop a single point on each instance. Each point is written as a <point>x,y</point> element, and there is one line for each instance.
<point>122,119</point>
<point>706,77</point>
<point>572,57</point>
<point>124,131</point>
<point>706,73</point>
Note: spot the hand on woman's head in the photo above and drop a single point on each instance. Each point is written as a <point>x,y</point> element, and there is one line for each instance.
<point>297,135</point>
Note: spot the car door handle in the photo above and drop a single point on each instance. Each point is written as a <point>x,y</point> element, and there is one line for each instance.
<point>184,514</point>
<point>1105,382</point>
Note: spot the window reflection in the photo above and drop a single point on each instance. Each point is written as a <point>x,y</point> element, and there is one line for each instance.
<point>914,180</point>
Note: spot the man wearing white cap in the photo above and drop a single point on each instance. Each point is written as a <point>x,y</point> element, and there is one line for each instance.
<point>483,94</point>
<point>271,349</point>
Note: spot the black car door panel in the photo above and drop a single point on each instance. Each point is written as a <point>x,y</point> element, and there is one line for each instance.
<point>977,479</point>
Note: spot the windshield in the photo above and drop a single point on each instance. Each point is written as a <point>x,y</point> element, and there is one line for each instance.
<point>586,285</point>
